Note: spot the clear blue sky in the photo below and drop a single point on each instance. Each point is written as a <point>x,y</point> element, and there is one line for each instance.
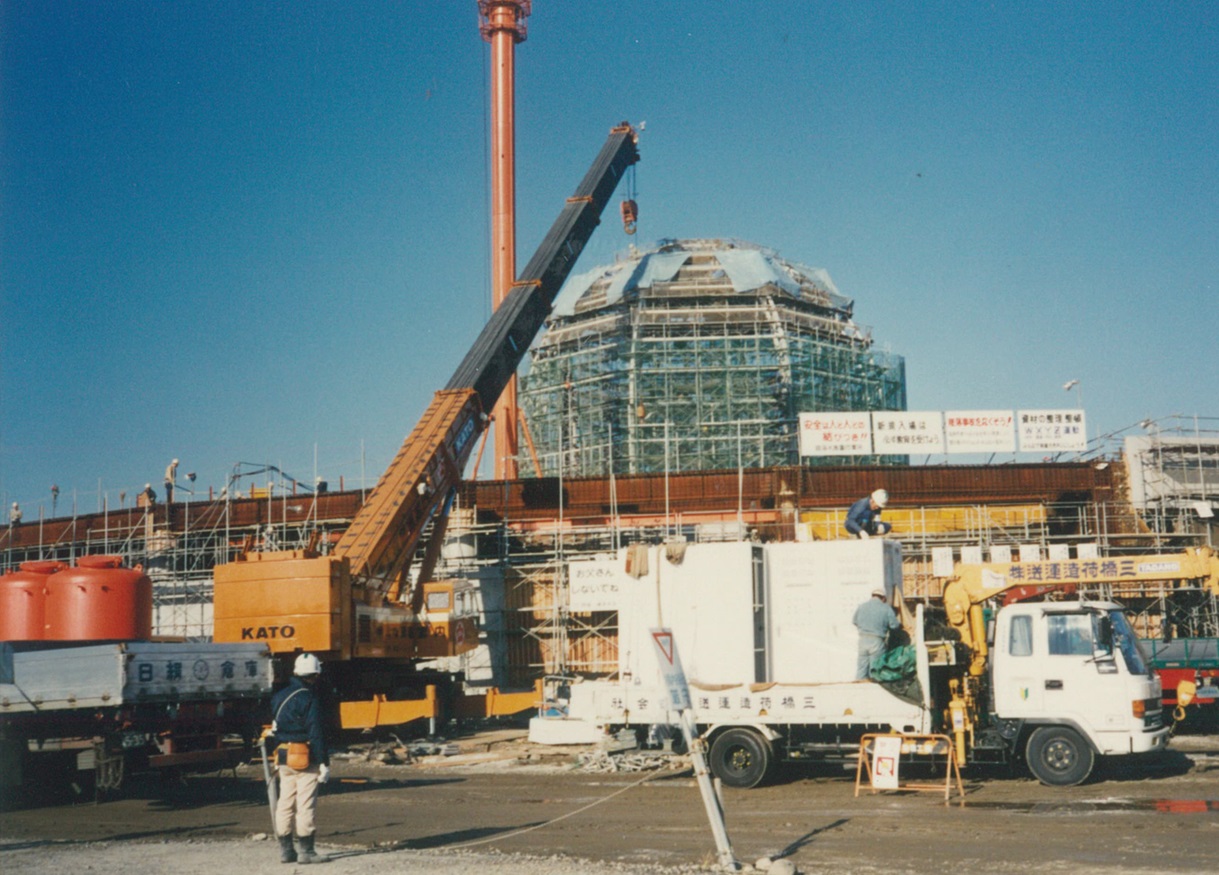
<point>257,231</point>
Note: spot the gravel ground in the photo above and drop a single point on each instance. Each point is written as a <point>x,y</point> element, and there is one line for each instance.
<point>503,809</point>
<point>256,855</point>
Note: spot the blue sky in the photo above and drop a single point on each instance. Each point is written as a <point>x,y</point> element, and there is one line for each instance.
<point>257,232</point>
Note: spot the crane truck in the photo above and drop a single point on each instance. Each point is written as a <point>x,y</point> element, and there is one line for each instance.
<point>1188,667</point>
<point>356,608</point>
<point>765,635</point>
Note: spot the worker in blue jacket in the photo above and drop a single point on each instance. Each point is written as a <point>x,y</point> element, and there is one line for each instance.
<point>298,719</point>
<point>863,519</point>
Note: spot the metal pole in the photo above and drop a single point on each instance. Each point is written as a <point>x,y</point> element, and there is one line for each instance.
<point>740,486</point>
<point>711,801</point>
<point>667,531</point>
<point>269,777</point>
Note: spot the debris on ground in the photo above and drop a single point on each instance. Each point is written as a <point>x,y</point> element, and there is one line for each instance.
<point>630,761</point>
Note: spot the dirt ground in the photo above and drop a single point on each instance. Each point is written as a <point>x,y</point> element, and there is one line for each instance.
<point>501,805</point>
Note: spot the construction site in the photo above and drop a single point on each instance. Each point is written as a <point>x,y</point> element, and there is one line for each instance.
<point>515,537</point>
<point>701,456</point>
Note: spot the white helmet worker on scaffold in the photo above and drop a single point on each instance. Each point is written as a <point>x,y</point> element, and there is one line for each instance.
<point>863,519</point>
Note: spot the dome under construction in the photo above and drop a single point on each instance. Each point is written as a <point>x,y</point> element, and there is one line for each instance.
<point>696,355</point>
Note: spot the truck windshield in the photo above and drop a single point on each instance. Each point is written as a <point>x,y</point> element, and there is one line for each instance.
<point>1127,644</point>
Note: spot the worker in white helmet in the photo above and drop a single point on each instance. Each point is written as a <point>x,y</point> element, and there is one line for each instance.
<point>302,759</point>
<point>171,480</point>
<point>863,519</point>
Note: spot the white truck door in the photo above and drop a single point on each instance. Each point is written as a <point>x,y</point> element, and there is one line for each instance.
<point>1019,684</point>
<point>1089,690</point>
<point>1045,667</point>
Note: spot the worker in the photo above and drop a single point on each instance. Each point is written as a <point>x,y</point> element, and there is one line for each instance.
<point>298,719</point>
<point>14,514</point>
<point>874,619</point>
<point>863,519</point>
<point>171,478</point>
<point>146,497</point>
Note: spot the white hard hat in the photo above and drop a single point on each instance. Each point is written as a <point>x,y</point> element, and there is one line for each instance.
<point>880,497</point>
<point>307,664</point>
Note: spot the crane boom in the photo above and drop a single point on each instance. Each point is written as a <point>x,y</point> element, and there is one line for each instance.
<point>346,605</point>
<point>383,536</point>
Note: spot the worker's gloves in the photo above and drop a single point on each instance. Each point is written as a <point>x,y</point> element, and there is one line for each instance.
<point>323,774</point>
<point>863,533</point>
<point>267,731</point>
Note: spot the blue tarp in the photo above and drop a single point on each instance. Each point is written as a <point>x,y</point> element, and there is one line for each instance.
<point>749,269</point>
<point>746,269</point>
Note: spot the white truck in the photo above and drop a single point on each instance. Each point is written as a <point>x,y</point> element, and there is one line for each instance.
<point>764,633</point>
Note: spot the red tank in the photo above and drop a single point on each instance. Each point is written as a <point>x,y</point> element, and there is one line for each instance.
<point>23,601</point>
<point>99,600</point>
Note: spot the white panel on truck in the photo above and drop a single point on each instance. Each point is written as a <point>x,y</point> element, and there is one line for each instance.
<point>814,589</point>
<point>706,597</point>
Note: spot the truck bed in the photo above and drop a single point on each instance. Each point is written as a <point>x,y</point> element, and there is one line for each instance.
<point>38,678</point>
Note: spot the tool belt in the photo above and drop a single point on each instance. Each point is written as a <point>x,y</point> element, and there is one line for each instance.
<point>293,754</point>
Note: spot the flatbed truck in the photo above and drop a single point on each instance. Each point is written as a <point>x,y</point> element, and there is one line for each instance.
<point>102,710</point>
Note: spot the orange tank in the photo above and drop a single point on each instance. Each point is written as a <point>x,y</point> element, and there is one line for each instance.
<point>99,600</point>
<point>23,601</point>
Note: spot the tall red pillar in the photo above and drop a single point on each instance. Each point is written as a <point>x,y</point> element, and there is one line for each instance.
<point>502,23</point>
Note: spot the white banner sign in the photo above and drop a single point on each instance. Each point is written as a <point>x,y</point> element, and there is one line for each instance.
<point>980,431</point>
<point>836,434</point>
<point>895,431</point>
<point>905,432</point>
<point>593,585</point>
<point>1051,430</point>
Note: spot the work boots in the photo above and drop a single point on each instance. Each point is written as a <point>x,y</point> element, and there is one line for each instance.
<point>308,855</point>
<point>287,853</point>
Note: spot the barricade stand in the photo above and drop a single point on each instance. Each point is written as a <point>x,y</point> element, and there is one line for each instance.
<point>886,776</point>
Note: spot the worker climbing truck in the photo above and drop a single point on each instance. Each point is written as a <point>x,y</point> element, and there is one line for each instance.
<point>764,633</point>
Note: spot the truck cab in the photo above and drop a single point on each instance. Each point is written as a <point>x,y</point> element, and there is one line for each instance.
<point>1070,682</point>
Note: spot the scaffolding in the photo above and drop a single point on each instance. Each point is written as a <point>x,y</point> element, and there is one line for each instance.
<point>520,564</point>
<point>178,545</point>
<point>698,355</point>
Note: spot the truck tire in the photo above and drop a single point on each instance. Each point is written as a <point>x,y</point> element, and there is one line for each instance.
<point>741,758</point>
<point>1059,757</point>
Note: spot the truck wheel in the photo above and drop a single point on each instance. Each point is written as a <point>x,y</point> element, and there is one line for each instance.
<point>1059,757</point>
<point>740,758</point>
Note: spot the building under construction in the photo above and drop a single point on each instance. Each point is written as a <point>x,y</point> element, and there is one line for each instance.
<point>515,537</point>
<point>693,356</point>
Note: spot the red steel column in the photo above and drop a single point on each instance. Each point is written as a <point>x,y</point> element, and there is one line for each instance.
<point>503,25</point>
